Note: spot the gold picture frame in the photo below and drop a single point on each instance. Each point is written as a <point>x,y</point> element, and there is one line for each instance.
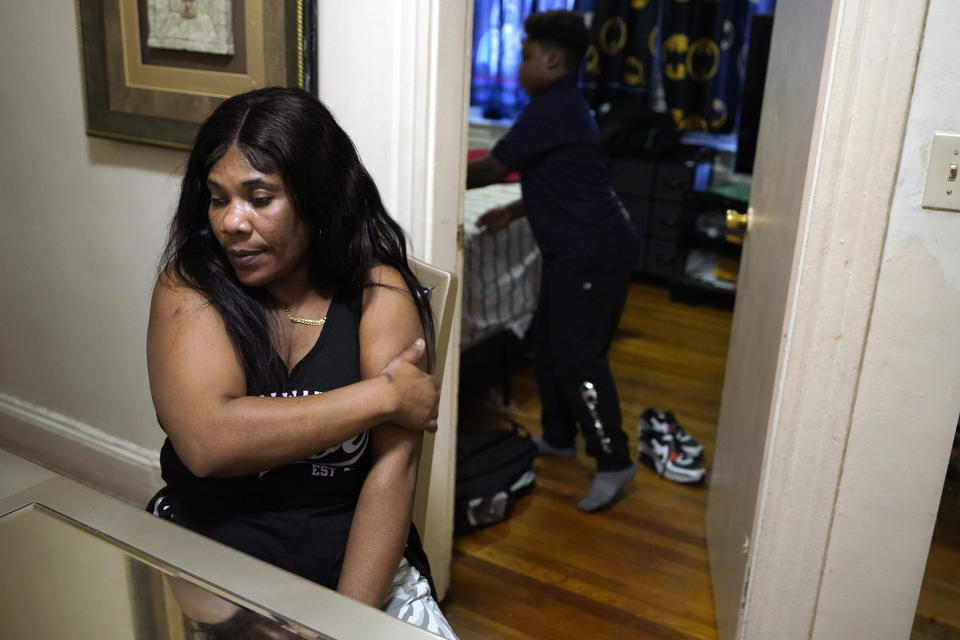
<point>139,93</point>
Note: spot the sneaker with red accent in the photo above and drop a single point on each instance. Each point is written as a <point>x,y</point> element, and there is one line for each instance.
<point>664,454</point>
<point>665,424</point>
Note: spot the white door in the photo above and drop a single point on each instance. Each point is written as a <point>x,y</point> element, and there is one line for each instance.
<point>783,170</point>
<point>839,86</point>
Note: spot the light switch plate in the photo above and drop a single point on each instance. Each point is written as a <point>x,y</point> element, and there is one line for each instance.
<point>942,189</point>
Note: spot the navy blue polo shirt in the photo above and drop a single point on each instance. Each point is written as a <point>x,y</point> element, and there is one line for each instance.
<point>567,195</point>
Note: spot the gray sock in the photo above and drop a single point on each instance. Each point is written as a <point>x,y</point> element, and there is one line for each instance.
<point>606,485</point>
<point>544,449</point>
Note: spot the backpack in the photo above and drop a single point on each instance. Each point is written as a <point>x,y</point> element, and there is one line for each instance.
<point>494,468</point>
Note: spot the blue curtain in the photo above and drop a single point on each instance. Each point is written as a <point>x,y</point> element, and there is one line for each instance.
<point>693,50</point>
<point>497,40</point>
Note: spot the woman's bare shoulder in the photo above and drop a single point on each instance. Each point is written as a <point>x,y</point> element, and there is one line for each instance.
<point>383,274</point>
<point>185,332</point>
<point>174,298</point>
<point>389,322</point>
<point>385,286</point>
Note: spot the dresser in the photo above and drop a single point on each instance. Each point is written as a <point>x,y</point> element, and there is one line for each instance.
<point>652,189</point>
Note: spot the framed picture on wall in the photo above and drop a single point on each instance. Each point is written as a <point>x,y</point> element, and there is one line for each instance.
<point>155,69</point>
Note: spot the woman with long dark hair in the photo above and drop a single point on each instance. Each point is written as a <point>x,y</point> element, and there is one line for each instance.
<point>287,335</point>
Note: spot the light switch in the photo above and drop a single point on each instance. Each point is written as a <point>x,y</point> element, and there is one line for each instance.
<point>941,190</point>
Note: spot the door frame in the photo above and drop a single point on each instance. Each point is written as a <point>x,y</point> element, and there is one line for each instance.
<point>396,76</point>
<point>844,513</point>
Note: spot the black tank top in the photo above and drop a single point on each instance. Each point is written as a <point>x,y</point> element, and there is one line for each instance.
<point>328,480</point>
<point>297,516</point>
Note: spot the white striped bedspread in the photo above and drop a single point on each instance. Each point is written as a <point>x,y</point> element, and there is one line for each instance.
<point>501,271</point>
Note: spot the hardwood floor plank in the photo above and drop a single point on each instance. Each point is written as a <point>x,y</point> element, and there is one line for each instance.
<point>517,601</point>
<point>472,624</point>
<point>590,575</point>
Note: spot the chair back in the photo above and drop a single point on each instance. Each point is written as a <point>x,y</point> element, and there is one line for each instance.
<point>443,295</point>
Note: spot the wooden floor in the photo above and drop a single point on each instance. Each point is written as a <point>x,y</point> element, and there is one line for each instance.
<point>637,570</point>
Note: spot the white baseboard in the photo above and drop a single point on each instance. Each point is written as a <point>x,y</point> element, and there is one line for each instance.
<point>79,451</point>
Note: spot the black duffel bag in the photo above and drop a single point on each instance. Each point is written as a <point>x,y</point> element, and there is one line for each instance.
<point>494,468</point>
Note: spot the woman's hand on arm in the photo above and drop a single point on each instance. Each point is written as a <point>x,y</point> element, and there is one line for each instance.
<point>381,522</point>
<point>199,393</point>
<point>416,391</point>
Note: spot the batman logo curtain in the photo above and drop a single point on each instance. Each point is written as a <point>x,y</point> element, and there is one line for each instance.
<point>688,54</point>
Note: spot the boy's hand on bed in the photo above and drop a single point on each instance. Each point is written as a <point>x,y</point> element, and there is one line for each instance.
<point>495,219</point>
<point>415,396</point>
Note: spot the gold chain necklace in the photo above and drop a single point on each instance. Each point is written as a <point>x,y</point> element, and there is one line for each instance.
<point>298,320</point>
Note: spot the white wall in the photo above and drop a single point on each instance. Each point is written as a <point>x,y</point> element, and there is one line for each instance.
<point>908,397</point>
<point>383,74</point>
<point>83,224</point>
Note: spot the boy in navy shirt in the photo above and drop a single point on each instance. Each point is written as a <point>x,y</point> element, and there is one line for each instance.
<point>589,249</point>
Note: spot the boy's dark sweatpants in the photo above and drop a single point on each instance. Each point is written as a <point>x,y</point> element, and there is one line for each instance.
<point>577,313</point>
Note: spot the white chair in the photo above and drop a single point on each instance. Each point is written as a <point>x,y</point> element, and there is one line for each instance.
<point>443,296</point>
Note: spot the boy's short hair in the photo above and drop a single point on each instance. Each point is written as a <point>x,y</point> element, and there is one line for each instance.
<point>563,29</point>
